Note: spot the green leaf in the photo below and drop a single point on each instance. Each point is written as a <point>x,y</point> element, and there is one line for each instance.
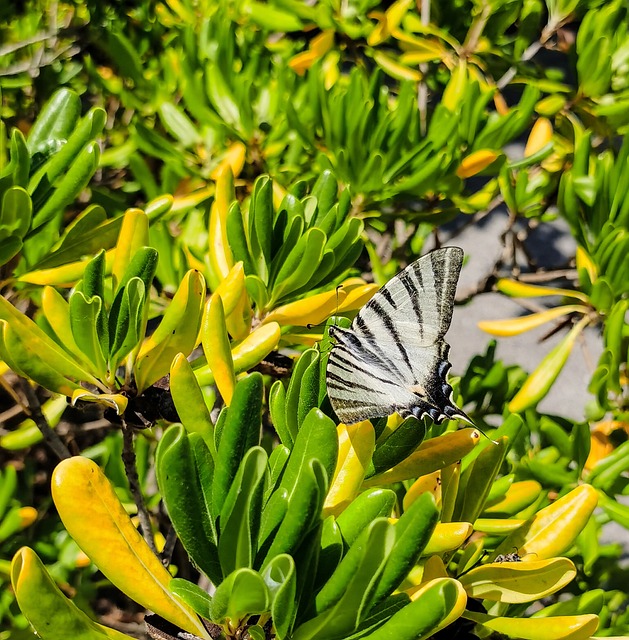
<point>412,532</point>
<point>369,505</point>
<point>316,440</point>
<point>240,516</point>
<point>197,599</point>
<point>423,616</point>
<point>477,479</point>
<point>184,470</point>
<point>126,322</point>
<point>398,446</point>
<point>241,432</point>
<point>303,512</point>
<point>281,581</point>
<point>56,120</point>
<point>243,593</point>
<point>238,239</point>
<point>85,320</point>
<point>339,603</point>
<point>83,133</point>
<point>68,188</point>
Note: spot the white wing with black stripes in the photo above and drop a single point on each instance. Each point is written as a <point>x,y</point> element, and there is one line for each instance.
<point>394,357</point>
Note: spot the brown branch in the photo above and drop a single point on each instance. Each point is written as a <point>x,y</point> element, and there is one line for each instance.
<point>51,438</point>
<point>169,546</point>
<point>129,460</point>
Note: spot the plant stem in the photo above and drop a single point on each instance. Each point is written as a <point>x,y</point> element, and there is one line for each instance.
<point>34,409</point>
<point>128,458</point>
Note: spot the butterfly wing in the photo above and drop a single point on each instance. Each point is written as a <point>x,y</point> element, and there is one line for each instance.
<point>394,357</point>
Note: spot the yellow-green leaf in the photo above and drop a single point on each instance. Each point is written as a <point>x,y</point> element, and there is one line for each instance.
<point>447,536</point>
<point>518,582</point>
<point>216,347</point>
<point>522,290</point>
<point>189,402</point>
<point>66,275</point>
<point>551,628</point>
<point>539,382</point>
<point>516,326</point>
<point>52,615</point>
<point>431,455</point>
<point>176,333</point>
<point>356,445</point>
<point>553,530</point>
<point>541,134</point>
<point>115,401</point>
<point>312,310</point>
<point>93,515</point>
<point>134,234</point>
<point>220,258</point>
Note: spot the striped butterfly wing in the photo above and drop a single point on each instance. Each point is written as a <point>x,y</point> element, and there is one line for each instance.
<point>394,357</point>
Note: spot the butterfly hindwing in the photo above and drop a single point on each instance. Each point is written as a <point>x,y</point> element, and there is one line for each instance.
<point>394,358</point>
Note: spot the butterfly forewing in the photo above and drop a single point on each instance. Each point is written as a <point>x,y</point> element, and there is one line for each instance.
<point>393,358</point>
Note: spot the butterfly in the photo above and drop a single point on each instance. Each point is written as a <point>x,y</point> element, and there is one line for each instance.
<point>393,358</point>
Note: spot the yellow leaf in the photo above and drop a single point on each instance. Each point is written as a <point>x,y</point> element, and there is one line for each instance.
<point>497,526</point>
<point>519,496</point>
<point>430,483</point>
<point>256,346</point>
<point>319,46</point>
<point>431,455</point>
<point>312,310</point>
<point>112,400</point>
<point>585,262</point>
<point>536,386</point>
<point>356,445</point>
<point>517,289</point>
<point>193,199</point>
<point>66,275</point>
<point>395,69</point>
<point>476,162</point>
<point>388,22</point>
<point>28,515</point>
<point>541,134</point>
<point>357,296</point>
<point>553,530</point>
<point>134,234</point>
<point>433,569</point>
<point>216,347</point>
<point>518,582</point>
<point>455,89</point>
<point>549,628</point>
<point>516,326</point>
<point>234,159</point>
<point>447,536</point>
<point>501,104</point>
<point>220,257</point>
<point>238,322</point>
<point>93,515</point>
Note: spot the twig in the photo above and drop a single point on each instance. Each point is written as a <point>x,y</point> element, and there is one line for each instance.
<point>34,409</point>
<point>169,546</point>
<point>549,30</point>
<point>548,276</point>
<point>128,458</point>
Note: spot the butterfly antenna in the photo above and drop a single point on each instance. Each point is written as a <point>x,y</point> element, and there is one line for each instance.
<point>460,415</point>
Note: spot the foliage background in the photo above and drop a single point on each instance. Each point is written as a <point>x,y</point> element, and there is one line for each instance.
<point>406,116</point>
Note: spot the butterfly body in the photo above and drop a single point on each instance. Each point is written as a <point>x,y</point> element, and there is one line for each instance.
<point>394,357</point>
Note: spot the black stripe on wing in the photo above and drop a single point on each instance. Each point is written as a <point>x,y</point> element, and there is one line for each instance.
<point>388,331</point>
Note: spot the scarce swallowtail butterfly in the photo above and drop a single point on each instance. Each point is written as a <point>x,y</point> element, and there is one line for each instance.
<point>394,357</point>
